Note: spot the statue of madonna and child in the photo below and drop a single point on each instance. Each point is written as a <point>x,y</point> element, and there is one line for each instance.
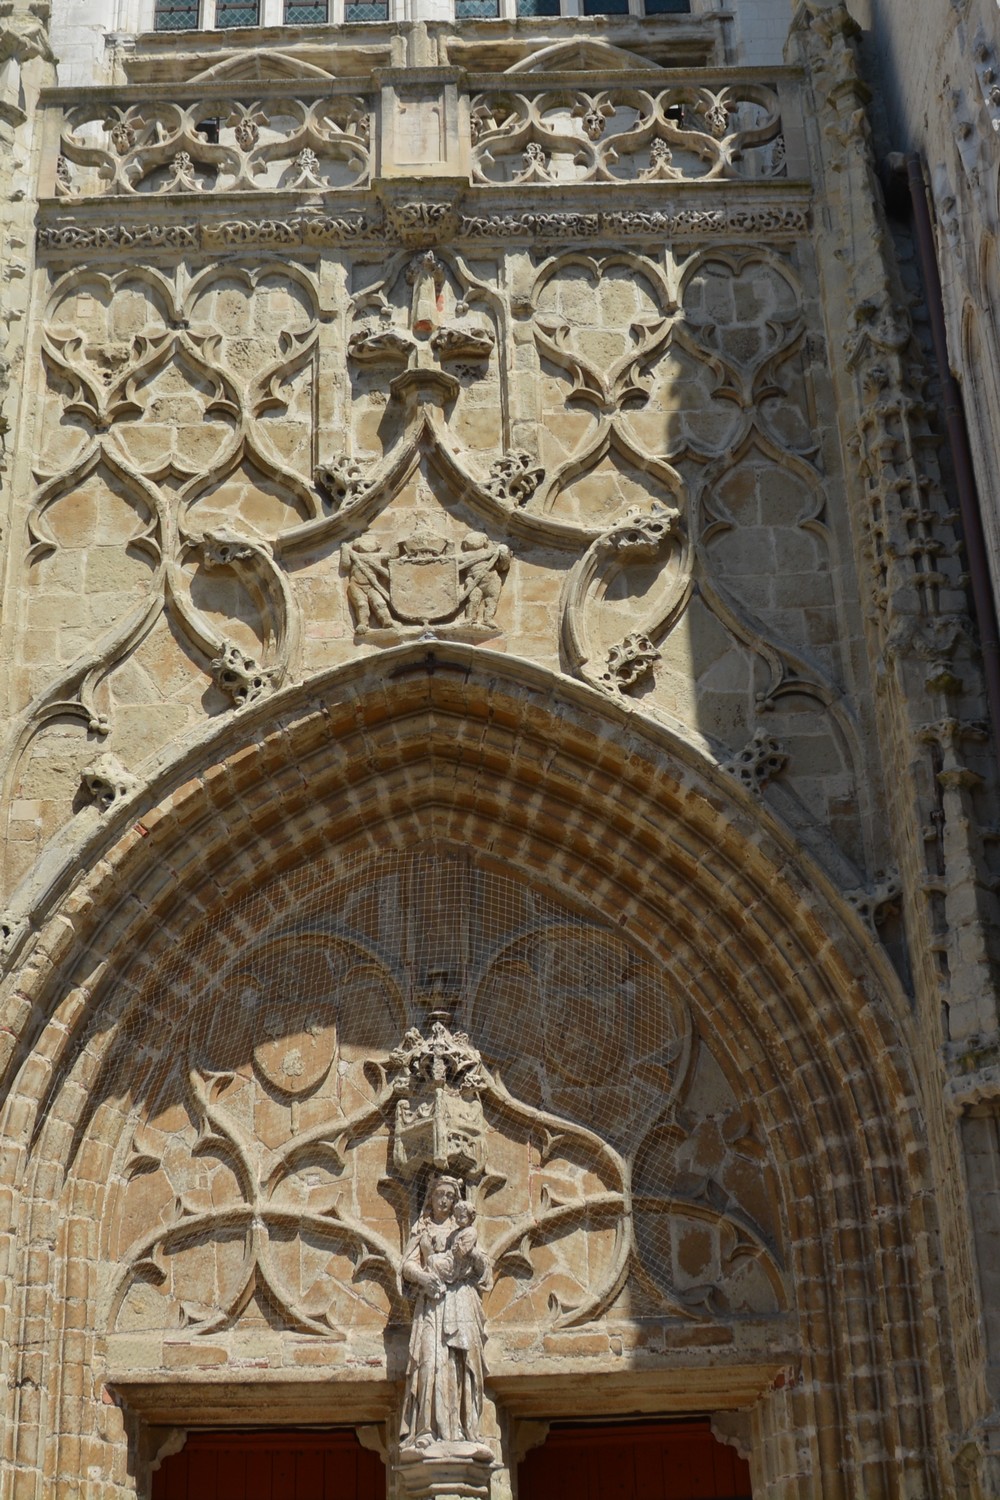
<point>449,1272</point>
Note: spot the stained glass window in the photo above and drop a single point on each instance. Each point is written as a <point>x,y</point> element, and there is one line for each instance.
<point>175,15</point>
<point>235,13</point>
<point>605,7</point>
<point>298,14</point>
<point>470,9</point>
<point>667,7</point>
<point>538,7</point>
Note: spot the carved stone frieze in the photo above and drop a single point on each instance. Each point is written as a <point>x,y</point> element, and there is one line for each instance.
<point>752,219</point>
<point>227,234</point>
<point>316,228</point>
<point>71,238</point>
<point>504,225</point>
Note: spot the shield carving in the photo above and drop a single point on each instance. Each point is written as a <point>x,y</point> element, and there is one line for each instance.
<point>298,1049</point>
<point>422,589</point>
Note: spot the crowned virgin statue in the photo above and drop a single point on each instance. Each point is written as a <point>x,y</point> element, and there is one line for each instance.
<point>449,1272</point>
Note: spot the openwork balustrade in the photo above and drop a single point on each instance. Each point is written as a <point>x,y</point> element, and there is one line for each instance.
<point>325,138</point>
<point>224,144</point>
<point>627,134</point>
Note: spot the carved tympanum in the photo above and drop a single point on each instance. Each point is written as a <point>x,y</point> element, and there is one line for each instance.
<point>277,1178</point>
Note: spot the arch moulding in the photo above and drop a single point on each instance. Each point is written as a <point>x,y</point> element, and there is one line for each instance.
<point>546,783</point>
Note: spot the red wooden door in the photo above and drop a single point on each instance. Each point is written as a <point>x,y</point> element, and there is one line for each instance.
<point>633,1461</point>
<point>271,1466</point>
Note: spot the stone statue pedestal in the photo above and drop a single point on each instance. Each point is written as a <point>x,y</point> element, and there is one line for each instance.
<point>442,1470</point>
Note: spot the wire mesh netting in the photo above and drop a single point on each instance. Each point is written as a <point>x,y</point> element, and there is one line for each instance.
<point>265,1177</point>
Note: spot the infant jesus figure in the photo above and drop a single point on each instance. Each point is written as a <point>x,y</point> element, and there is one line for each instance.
<point>461,1258</point>
<point>463,1269</point>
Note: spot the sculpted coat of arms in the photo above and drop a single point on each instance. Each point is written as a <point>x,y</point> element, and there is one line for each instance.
<point>427,579</point>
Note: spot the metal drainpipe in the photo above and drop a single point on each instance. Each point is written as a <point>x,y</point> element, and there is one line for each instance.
<point>983,601</point>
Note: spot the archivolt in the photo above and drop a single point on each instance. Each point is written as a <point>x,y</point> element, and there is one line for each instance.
<point>548,779</point>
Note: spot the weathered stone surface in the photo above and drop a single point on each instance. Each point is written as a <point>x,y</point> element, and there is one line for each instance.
<point>487,566</point>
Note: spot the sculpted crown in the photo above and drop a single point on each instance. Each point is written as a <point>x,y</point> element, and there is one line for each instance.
<point>442,1059</point>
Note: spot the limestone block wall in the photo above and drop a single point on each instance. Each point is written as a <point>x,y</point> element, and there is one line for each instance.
<point>607,416</point>
<point>514,446</point>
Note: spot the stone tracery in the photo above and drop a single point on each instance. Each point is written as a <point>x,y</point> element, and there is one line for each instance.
<point>393,357</point>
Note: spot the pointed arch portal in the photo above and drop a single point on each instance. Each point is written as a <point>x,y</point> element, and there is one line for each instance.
<point>752,1247</point>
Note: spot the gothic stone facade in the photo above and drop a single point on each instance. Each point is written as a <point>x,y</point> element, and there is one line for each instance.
<point>475,545</point>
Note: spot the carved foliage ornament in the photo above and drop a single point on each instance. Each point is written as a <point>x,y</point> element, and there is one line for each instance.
<point>762,217</point>
<point>639,538</point>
